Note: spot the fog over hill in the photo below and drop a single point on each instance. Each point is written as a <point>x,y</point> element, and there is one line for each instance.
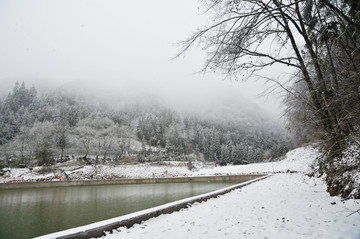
<point>206,101</point>
<point>56,124</point>
<point>220,104</point>
<point>118,53</point>
<point>107,87</point>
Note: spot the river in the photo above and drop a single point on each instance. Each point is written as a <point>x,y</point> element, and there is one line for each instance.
<point>27,213</point>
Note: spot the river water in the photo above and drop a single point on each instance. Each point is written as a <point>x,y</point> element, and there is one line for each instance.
<point>27,213</point>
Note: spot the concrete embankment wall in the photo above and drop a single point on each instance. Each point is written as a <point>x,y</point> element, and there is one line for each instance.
<point>97,229</point>
<point>227,178</point>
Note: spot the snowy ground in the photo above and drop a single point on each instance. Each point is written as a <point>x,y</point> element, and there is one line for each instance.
<point>286,205</point>
<point>282,206</point>
<point>298,160</point>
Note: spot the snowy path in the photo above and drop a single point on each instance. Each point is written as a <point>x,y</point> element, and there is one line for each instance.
<point>282,206</point>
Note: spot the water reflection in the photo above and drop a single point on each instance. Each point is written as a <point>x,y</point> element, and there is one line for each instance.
<point>28,213</point>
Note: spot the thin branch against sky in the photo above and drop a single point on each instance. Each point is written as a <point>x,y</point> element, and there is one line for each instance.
<point>112,46</point>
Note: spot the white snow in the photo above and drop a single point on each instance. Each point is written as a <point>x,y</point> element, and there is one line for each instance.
<point>282,206</point>
<point>130,216</point>
<point>298,160</point>
<point>351,159</point>
<point>285,205</point>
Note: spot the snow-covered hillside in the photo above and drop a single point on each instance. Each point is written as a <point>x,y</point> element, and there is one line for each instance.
<point>298,160</point>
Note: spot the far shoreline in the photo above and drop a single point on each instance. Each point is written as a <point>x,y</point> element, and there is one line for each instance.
<point>99,182</point>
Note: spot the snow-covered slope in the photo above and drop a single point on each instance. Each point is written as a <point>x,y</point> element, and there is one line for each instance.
<point>298,160</point>
<point>285,205</point>
<point>282,206</point>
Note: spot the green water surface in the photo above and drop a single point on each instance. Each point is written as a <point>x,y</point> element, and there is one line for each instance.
<point>27,213</point>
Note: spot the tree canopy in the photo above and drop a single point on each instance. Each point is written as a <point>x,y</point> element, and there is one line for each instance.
<point>41,129</point>
<point>318,39</point>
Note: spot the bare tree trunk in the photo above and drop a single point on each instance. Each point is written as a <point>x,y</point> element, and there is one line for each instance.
<point>328,118</point>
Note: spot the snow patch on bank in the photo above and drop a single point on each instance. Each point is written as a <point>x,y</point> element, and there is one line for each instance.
<point>297,160</point>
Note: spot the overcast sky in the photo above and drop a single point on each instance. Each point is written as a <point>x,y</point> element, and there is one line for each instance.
<point>112,46</point>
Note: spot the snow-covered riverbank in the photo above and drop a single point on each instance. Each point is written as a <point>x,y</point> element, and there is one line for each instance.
<point>298,160</point>
<point>282,206</point>
<point>288,204</point>
<point>285,205</point>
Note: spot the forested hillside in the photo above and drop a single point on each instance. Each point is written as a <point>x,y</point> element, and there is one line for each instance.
<point>55,127</point>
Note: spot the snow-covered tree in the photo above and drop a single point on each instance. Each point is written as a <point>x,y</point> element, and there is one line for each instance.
<point>43,141</point>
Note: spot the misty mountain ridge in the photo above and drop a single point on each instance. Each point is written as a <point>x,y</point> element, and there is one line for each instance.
<point>227,108</point>
<point>211,105</point>
<point>234,109</point>
<point>214,103</point>
<point>55,125</point>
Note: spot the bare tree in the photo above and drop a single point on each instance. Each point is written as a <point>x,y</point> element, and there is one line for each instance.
<point>318,39</point>
<point>242,31</point>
